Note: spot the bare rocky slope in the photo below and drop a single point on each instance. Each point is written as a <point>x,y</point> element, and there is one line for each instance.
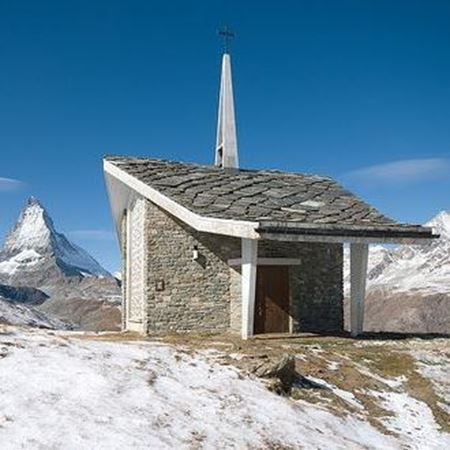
<point>408,287</point>
<point>25,295</point>
<point>17,307</point>
<point>78,289</point>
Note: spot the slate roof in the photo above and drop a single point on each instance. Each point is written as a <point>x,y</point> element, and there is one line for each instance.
<point>278,201</point>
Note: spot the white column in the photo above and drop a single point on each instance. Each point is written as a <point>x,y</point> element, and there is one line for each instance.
<point>358,273</point>
<point>248,285</point>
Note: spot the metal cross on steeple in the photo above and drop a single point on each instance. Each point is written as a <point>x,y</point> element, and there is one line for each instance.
<point>227,34</point>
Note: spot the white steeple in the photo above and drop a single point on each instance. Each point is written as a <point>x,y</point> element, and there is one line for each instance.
<point>226,142</point>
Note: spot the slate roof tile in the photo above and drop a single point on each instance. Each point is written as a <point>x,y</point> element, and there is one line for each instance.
<point>279,201</point>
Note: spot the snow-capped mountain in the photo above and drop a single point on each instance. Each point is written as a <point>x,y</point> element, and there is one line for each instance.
<point>408,286</point>
<point>417,268</point>
<point>34,241</point>
<point>421,268</point>
<point>80,290</point>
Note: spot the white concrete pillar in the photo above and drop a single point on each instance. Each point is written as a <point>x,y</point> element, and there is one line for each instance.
<point>248,285</point>
<point>358,273</point>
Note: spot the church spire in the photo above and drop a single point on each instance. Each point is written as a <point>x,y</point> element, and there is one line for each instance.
<point>226,141</point>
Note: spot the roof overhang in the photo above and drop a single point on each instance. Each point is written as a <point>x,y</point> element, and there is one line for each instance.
<point>115,175</point>
<point>291,237</point>
<point>295,231</point>
<point>124,188</point>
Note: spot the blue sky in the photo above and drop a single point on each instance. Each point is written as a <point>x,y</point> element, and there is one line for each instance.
<point>359,90</point>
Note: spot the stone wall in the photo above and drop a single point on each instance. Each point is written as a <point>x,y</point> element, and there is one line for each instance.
<point>184,294</point>
<point>204,295</point>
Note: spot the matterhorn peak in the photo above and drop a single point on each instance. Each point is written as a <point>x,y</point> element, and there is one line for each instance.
<point>34,242</point>
<point>33,230</point>
<point>33,201</point>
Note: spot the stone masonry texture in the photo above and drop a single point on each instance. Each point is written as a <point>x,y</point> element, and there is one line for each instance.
<point>184,294</point>
<point>204,295</point>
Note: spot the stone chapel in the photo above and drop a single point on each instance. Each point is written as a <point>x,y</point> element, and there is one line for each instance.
<point>220,248</point>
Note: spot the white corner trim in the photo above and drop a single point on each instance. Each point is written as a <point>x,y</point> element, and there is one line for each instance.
<point>137,327</point>
<point>136,263</point>
<point>238,228</point>
<point>268,262</point>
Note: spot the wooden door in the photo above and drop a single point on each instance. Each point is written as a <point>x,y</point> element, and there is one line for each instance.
<point>272,299</point>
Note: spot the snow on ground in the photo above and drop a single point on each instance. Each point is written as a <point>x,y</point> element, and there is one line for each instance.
<point>333,365</point>
<point>61,392</point>
<point>436,367</point>
<point>413,420</point>
<point>348,397</point>
<point>65,390</point>
<point>393,383</point>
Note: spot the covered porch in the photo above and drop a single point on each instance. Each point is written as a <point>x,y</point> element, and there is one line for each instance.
<point>266,277</point>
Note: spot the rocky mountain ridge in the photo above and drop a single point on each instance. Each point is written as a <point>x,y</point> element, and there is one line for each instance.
<point>408,286</point>
<point>78,289</point>
<point>415,268</point>
<point>34,246</point>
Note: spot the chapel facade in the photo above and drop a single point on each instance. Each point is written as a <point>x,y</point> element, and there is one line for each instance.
<point>224,249</point>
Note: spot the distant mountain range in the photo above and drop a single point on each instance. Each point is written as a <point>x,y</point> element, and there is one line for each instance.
<point>408,286</point>
<point>78,289</point>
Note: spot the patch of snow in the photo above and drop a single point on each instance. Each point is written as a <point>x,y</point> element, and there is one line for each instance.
<point>315,349</point>
<point>341,393</point>
<point>436,367</point>
<point>413,421</point>
<point>333,365</point>
<point>61,392</point>
<point>237,356</point>
<point>24,260</point>
<point>393,383</point>
<point>444,406</point>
